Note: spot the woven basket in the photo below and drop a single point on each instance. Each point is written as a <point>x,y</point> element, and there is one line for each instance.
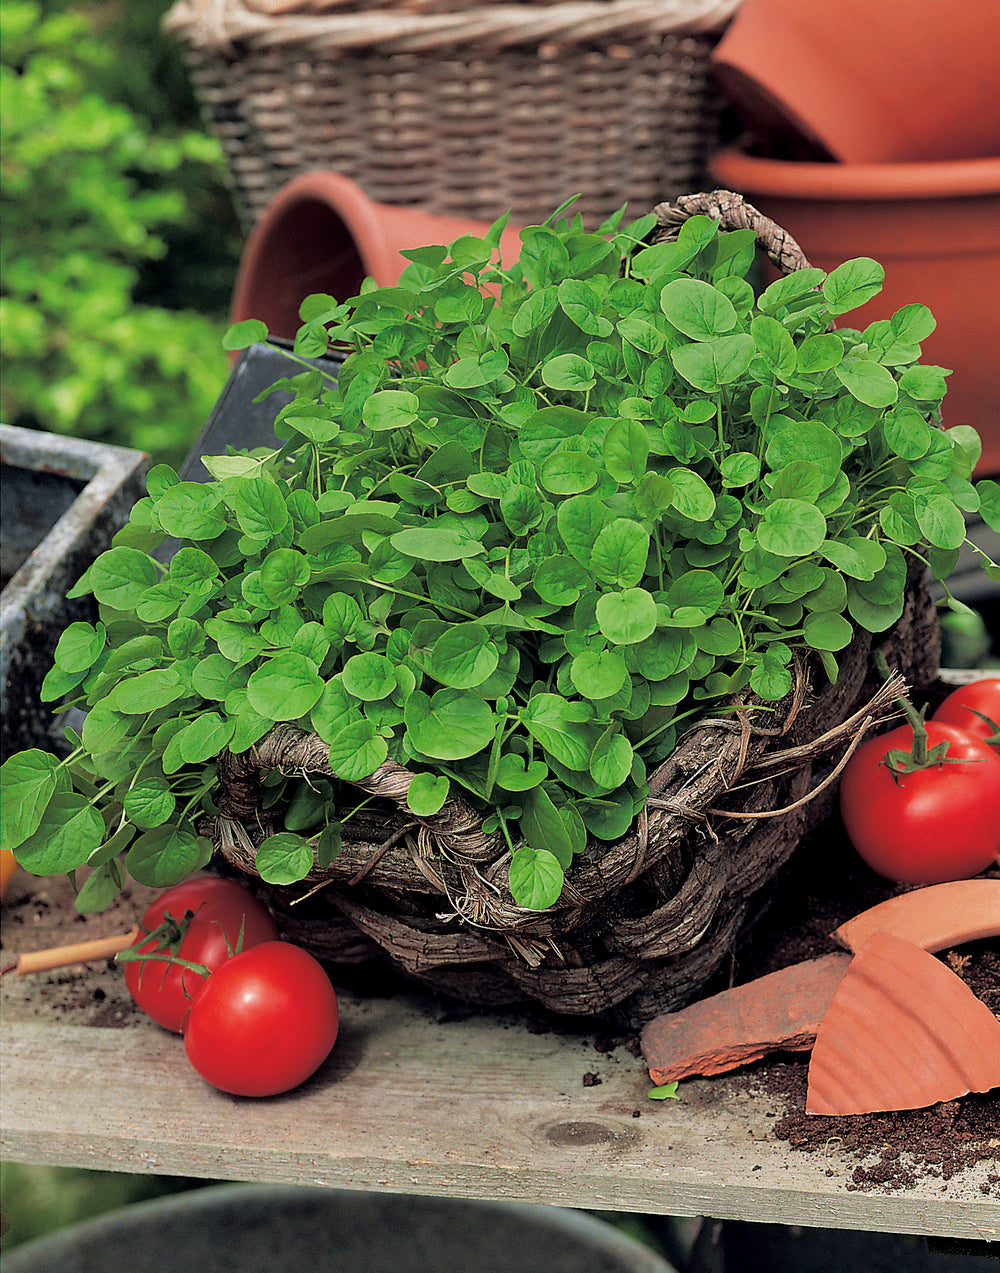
<point>462,111</point>
<point>642,924</point>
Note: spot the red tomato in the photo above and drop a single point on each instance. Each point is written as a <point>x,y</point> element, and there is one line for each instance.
<point>967,705</point>
<point>219,908</point>
<point>267,1019</point>
<point>929,826</point>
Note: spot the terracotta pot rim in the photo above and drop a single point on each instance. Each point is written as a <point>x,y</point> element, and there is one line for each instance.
<point>942,179</point>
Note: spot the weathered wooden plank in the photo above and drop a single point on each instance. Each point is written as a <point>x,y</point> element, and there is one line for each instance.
<point>418,1097</point>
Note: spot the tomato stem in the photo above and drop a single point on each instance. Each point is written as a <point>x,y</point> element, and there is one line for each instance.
<point>898,761</point>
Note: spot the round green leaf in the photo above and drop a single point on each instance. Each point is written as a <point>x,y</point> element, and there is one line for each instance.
<point>805,441</point>
<point>775,345</point>
<point>165,855</point>
<point>216,678</point>
<point>560,580</point>
<point>426,794</point>
<point>521,508</point>
<point>867,380</point>
<point>791,528</point>
<point>535,311</point>
<point>598,673</point>
<point>536,878</point>
<point>568,472</point>
<point>283,574</point>
<point>855,556</point>
<point>770,678</point>
<point>543,827</point>
<point>451,724</point>
<point>940,520</point>
<point>611,760</point>
<point>907,433</point>
<point>721,637</point>
<point>69,832</point>
<point>563,727</point>
<point>260,507</point>
<point>390,409</point>
<point>204,738</point>
<point>191,510</point>
<point>357,750</point>
<point>119,578</point>
<point>185,637</point>
<point>284,858</point>
<point>698,589</point>
<point>147,692</point>
<point>692,496</point>
<point>463,656</point>
<point>514,773</point>
<point>476,370</point>
<point>827,630</point>
<point>820,353</point>
<point>739,468</point>
<point>28,780</point>
<point>251,331</point>
<point>78,647</point>
<point>285,688</point>
<point>569,372</point>
<point>710,364</point>
<point>697,309</point>
<point>626,450</point>
<point>149,804</point>
<point>580,519</point>
<point>368,676</point>
<point>619,553</point>
<point>626,617</point>
<point>852,284</point>
<point>105,730</point>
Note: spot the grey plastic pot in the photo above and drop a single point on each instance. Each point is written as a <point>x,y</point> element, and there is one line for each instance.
<point>289,1229</point>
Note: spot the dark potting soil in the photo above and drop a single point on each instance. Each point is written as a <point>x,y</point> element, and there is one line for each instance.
<point>825,885</point>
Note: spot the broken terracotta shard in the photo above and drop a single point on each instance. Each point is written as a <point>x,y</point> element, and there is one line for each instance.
<point>778,1012</point>
<point>934,918</point>
<point>902,1032</point>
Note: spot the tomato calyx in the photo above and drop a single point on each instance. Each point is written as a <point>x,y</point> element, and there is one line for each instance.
<point>168,935</point>
<point>901,761</point>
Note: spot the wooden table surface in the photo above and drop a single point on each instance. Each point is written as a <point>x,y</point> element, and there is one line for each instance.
<point>418,1096</point>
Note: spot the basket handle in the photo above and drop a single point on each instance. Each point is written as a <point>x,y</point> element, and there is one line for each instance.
<point>330,26</point>
<point>733,212</point>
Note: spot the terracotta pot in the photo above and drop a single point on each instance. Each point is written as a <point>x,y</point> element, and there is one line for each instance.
<point>863,81</point>
<point>321,233</point>
<point>936,230</point>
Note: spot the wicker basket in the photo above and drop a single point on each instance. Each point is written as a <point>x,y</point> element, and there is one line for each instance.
<point>462,111</point>
<point>642,924</point>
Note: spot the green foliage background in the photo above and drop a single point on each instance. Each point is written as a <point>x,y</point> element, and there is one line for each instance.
<point>120,242</point>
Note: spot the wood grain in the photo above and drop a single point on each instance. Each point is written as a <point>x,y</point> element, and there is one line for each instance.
<point>417,1097</point>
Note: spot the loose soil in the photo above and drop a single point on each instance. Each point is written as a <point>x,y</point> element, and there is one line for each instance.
<point>825,885</point>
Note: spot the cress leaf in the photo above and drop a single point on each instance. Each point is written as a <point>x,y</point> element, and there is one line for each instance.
<point>536,878</point>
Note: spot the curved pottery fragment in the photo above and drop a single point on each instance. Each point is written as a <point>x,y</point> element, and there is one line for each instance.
<point>902,1032</point>
<point>934,918</point>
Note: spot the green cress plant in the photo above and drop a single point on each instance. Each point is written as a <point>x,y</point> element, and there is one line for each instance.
<point>544,517</point>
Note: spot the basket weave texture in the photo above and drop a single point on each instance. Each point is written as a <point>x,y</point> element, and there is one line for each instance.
<point>642,924</point>
<point>461,111</point>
